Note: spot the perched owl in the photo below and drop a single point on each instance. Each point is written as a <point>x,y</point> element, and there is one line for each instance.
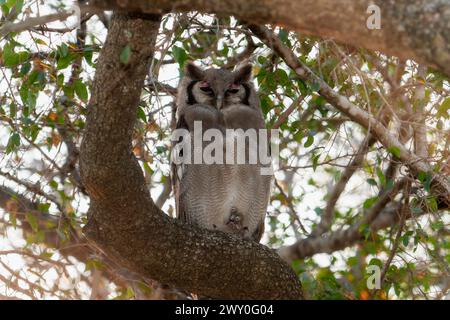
<point>229,197</point>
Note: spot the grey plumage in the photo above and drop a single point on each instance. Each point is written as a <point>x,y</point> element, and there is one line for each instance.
<point>229,197</point>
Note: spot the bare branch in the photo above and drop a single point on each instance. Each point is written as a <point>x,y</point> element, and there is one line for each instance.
<point>31,22</point>
<point>285,115</point>
<point>403,212</point>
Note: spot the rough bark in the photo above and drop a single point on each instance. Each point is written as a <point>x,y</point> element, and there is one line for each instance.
<point>410,29</point>
<point>124,221</point>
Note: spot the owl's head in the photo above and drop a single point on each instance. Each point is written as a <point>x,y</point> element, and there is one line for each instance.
<point>218,88</point>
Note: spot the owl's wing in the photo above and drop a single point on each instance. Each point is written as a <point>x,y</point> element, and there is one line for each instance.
<point>177,173</point>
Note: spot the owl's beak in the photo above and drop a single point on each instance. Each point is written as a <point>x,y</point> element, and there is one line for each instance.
<point>219,102</point>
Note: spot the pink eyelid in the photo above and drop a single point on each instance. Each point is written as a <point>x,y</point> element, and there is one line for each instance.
<point>204,84</point>
<point>234,86</point>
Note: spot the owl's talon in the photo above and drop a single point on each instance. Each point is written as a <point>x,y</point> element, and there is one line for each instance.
<point>235,217</point>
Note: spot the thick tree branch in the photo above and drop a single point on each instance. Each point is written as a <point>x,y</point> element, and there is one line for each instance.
<point>124,221</point>
<point>410,29</point>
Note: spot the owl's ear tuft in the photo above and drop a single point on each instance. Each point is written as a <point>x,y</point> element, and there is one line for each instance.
<point>243,74</point>
<point>192,71</point>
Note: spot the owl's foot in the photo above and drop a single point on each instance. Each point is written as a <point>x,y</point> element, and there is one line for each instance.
<point>235,220</point>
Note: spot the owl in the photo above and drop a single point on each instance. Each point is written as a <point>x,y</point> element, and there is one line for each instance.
<point>230,197</point>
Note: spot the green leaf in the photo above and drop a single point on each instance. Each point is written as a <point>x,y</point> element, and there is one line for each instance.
<point>315,161</point>
<point>381,176</point>
<point>33,77</point>
<point>13,143</point>
<point>425,178</point>
<point>266,104</point>
<point>13,219</point>
<point>141,114</point>
<point>63,50</point>
<point>12,111</point>
<point>281,77</point>
<point>432,204</point>
<point>130,293</point>
<point>318,210</point>
<point>416,210</point>
<point>53,184</point>
<point>46,255</point>
<point>10,58</point>
<point>88,53</point>
<point>314,87</point>
<point>376,262</point>
<point>28,97</point>
<point>81,90</point>
<point>44,207</point>
<point>180,55</point>
<point>148,169</point>
<point>395,151</point>
<point>261,59</point>
<point>32,220</point>
<point>18,4</point>
<point>26,67</point>
<point>283,35</point>
<point>160,149</point>
<point>405,240</point>
<point>22,56</point>
<point>309,141</point>
<point>225,50</point>
<point>443,110</point>
<point>353,261</point>
<point>64,62</point>
<point>369,202</point>
<point>125,54</point>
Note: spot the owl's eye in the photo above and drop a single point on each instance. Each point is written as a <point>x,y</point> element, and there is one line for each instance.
<point>204,86</point>
<point>234,88</point>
